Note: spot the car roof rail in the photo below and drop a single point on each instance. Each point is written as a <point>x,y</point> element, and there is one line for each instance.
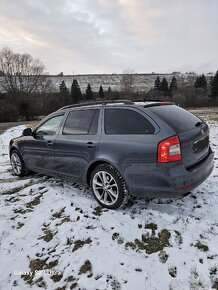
<point>106,102</point>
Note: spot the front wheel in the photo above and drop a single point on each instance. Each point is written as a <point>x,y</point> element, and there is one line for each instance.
<point>108,187</point>
<point>17,164</point>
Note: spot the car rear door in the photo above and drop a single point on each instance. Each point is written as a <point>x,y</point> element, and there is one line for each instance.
<point>76,145</point>
<point>129,142</point>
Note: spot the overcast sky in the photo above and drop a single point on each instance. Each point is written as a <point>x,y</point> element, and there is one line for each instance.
<point>108,36</point>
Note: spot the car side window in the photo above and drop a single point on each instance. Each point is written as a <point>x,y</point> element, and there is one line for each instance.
<point>126,121</point>
<point>81,122</point>
<point>50,126</point>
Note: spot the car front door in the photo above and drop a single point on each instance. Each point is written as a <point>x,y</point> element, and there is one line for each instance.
<point>77,144</point>
<point>38,149</point>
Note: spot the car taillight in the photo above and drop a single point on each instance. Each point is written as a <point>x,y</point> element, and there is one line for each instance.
<point>169,150</point>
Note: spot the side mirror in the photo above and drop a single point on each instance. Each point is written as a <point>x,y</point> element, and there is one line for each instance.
<point>27,132</point>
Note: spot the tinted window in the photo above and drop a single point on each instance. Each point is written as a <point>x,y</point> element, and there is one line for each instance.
<point>81,122</point>
<point>50,127</point>
<point>179,119</point>
<point>124,121</point>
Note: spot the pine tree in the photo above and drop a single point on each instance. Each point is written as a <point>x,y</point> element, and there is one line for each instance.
<point>173,84</point>
<point>89,93</point>
<point>101,92</point>
<point>197,82</point>
<point>63,89</point>
<point>164,85</point>
<point>157,83</point>
<point>203,82</point>
<point>109,93</point>
<point>76,92</point>
<point>214,86</point>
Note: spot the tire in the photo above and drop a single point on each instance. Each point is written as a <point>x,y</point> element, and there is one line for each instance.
<point>108,187</point>
<point>17,164</point>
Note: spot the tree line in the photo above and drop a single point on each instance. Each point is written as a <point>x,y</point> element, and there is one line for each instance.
<point>26,91</point>
<point>162,85</point>
<point>75,95</point>
<point>199,83</point>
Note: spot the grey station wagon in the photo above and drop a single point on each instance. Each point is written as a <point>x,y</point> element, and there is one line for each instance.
<point>154,149</point>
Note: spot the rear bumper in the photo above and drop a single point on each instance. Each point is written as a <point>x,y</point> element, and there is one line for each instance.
<point>193,176</point>
<point>173,179</point>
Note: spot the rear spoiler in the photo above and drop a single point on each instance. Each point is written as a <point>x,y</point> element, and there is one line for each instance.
<point>154,104</point>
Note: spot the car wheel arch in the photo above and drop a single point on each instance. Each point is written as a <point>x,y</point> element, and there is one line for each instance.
<point>14,148</point>
<point>93,165</point>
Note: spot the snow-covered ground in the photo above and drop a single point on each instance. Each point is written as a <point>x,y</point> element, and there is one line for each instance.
<point>56,233</point>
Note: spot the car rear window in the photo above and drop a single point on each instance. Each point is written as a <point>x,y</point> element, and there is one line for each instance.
<point>125,121</point>
<point>179,119</point>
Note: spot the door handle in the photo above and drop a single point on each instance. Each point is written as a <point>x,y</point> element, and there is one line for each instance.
<point>49,143</point>
<point>90,145</point>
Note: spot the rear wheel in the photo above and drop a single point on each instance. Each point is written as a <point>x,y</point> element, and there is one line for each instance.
<point>108,187</point>
<point>17,163</point>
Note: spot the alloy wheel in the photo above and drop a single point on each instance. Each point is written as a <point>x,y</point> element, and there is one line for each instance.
<point>16,163</point>
<point>105,188</point>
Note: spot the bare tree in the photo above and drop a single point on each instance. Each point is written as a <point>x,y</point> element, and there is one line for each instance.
<point>22,76</point>
<point>128,81</point>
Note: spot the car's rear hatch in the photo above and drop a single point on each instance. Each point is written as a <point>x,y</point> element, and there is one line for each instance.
<point>192,131</point>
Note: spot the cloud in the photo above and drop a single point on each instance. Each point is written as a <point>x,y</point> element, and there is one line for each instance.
<point>139,16</point>
<point>110,35</point>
